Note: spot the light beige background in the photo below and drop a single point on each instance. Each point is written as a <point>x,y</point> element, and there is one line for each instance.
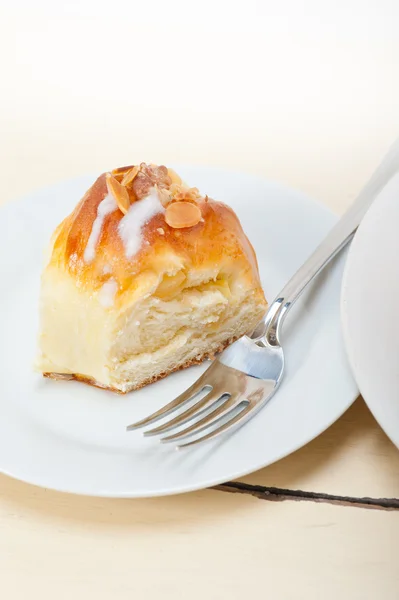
<point>304,92</point>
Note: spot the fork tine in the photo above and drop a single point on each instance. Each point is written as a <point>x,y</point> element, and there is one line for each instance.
<point>234,423</point>
<point>190,393</point>
<point>213,395</point>
<point>219,410</point>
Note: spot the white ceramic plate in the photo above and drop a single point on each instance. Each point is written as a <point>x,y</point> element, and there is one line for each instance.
<point>71,437</point>
<point>370,308</point>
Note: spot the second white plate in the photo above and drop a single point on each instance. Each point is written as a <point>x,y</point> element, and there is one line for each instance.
<point>370,300</point>
<point>70,437</point>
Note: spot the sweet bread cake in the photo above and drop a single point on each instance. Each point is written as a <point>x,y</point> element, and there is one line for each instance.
<point>146,276</point>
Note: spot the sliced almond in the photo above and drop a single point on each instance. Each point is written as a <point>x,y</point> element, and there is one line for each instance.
<point>181,192</point>
<point>174,177</point>
<point>192,193</point>
<point>119,170</point>
<point>164,196</point>
<point>182,214</point>
<point>119,173</point>
<point>175,189</point>
<point>130,175</point>
<point>119,192</point>
<point>141,185</point>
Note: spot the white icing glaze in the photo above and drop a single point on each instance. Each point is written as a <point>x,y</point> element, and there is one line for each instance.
<point>137,216</point>
<point>106,295</point>
<point>106,206</point>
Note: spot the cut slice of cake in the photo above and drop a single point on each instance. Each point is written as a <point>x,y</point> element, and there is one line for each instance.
<point>146,276</point>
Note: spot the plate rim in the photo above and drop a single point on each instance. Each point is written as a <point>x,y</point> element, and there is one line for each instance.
<point>165,492</point>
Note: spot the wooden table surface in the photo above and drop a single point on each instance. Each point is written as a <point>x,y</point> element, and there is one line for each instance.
<point>308,103</point>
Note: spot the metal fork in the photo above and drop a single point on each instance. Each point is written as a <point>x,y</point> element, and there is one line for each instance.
<point>247,374</point>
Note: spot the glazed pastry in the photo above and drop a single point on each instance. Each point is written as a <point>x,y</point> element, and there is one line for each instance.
<point>145,277</point>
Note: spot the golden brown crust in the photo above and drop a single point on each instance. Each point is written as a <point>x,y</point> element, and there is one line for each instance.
<point>90,381</point>
<point>217,239</point>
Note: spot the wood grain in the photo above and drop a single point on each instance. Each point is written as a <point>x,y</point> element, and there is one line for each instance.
<point>206,544</point>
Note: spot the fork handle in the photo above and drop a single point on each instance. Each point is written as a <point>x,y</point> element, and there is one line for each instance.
<point>332,244</point>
